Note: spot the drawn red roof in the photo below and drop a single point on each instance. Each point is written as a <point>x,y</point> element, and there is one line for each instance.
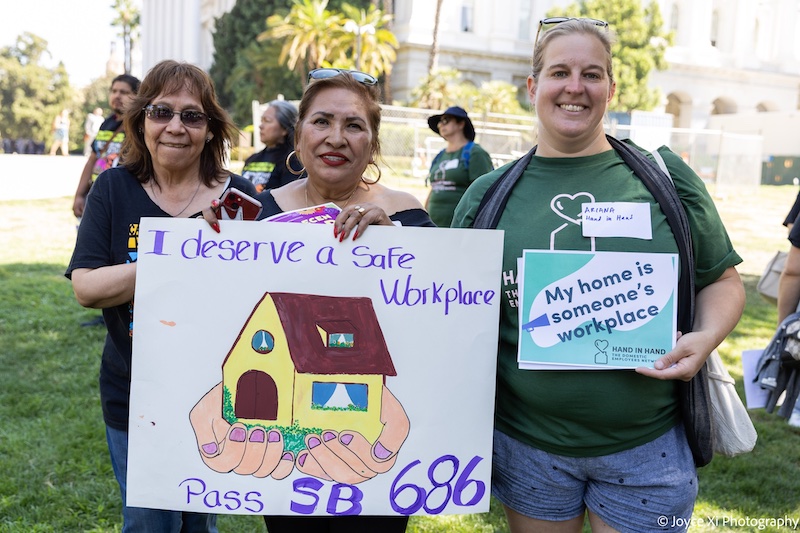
<point>302,314</point>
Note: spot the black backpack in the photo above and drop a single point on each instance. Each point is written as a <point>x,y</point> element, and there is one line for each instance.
<point>693,395</point>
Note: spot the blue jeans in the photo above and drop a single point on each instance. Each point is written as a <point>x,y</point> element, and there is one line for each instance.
<point>138,519</point>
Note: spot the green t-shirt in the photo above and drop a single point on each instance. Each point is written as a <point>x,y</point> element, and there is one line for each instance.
<point>449,180</point>
<point>587,413</point>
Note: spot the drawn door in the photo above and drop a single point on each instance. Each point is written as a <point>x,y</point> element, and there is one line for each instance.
<point>256,396</point>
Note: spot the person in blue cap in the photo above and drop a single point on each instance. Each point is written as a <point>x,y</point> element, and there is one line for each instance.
<point>460,163</point>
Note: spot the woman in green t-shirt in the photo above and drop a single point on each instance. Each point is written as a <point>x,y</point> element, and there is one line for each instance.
<point>608,443</point>
<point>455,167</point>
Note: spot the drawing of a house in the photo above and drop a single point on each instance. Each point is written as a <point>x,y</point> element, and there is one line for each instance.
<point>312,361</point>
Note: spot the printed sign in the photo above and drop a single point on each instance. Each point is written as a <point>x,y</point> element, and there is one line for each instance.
<point>279,371</point>
<point>596,310</point>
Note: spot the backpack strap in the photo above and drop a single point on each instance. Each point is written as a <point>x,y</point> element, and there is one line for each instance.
<point>496,196</point>
<point>662,188</point>
<point>465,153</point>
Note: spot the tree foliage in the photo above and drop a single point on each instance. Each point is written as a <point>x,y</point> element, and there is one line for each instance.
<point>238,75</point>
<point>373,48</point>
<point>314,36</point>
<point>444,88</point>
<point>128,20</point>
<point>308,32</point>
<point>638,48</point>
<point>246,69</point>
<point>31,95</point>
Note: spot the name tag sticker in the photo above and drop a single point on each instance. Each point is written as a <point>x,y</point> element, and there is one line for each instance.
<point>451,164</point>
<point>617,219</point>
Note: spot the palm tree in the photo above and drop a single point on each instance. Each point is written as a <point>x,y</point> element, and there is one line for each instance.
<point>307,31</point>
<point>388,8</point>
<point>366,34</point>
<point>128,20</point>
<point>433,61</point>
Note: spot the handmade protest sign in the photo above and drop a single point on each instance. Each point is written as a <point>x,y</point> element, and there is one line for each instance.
<point>279,371</point>
<point>596,310</point>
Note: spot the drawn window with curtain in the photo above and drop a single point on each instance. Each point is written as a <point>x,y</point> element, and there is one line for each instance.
<point>337,334</point>
<point>263,342</point>
<point>339,396</point>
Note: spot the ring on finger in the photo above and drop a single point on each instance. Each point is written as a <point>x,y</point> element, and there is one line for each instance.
<point>360,210</point>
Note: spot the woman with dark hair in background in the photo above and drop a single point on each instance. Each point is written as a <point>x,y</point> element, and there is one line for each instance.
<point>267,168</point>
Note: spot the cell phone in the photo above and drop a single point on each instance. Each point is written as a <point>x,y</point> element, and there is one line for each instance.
<point>236,205</point>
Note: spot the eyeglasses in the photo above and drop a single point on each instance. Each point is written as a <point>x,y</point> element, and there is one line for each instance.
<point>324,73</point>
<point>444,121</point>
<point>162,114</point>
<point>558,20</point>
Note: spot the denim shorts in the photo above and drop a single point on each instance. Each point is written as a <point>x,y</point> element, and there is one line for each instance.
<point>651,487</point>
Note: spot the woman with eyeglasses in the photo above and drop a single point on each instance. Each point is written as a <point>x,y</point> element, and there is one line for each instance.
<point>172,166</point>
<point>460,163</point>
<point>609,443</point>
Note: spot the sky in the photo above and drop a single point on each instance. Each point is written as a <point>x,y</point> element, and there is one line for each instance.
<point>78,32</point>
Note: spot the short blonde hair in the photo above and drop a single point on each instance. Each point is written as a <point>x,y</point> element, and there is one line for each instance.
<point>569,27</point>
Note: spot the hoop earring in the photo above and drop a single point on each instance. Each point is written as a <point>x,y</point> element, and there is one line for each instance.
<point>376,179</point>
<point>289,164</point>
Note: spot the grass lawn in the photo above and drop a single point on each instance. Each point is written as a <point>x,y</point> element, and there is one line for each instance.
<point>54,469</point>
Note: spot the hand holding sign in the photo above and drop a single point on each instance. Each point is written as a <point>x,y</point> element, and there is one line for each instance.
<point>231,448</point>
<point>345,458</point>
<point>350,458</point>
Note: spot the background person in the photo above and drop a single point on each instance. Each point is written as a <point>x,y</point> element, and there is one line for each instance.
<point>109,138</point>
<point>173,167</point>
<point>61,133</point>
<point>267,168</point>
<point>90,128</point>
<point>612,441</point>
<point>460,163</point>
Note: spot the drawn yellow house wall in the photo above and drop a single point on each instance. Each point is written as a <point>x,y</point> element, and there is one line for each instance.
<point>315,361</point>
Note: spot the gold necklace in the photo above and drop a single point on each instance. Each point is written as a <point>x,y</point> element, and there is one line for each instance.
<point>155,200</point>
<point>323,198</point>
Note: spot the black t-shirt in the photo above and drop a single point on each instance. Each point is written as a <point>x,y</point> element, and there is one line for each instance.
<point>794,212</point>
<point>109,235</point>
<point>267,168</point>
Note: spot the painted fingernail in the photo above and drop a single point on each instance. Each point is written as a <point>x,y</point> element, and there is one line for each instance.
<point>214,203</point>
<point>313,442</point>
<point>238,435</point>
<point>328,436</point>
<point>257,435</point>
<point>287,457</point>
<point>301,459</point>
<point>274,436</point>
<point>381,452</point>
<point>210,448</point>
<point>355,235</point>
<point>341,237</point>
<point>335,231</point>
<point>215,226</point>
<point>346,439</point>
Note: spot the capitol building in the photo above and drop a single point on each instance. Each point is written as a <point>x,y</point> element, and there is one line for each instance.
<point>729,56</point>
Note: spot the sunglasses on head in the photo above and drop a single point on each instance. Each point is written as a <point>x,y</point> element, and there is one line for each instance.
<point>558,20</point>
<point>162,114</point>
<point>324,73</point>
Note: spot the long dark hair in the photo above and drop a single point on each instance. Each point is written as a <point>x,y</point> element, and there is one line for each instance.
<point>170,77</point>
